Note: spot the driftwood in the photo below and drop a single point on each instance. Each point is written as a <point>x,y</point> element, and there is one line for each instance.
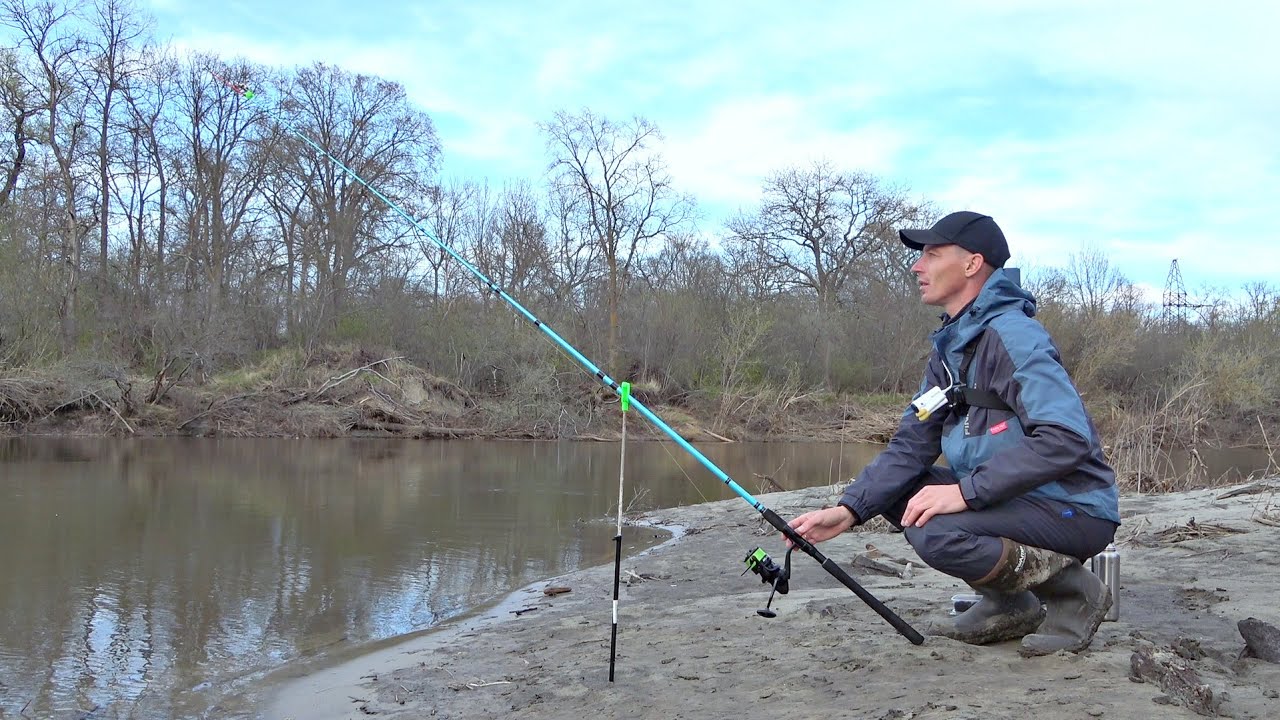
<point>1268,519</point>
<point>634,577</point>
<point>1194,531</point>
<point>875,552</point>
<point>1176,679</point>
<point>1254,489</point>
<point>113,410</point>
<point>767,483</point>
<point>213,405</point>
<point>877,566</point>
<point>721,438</point>
<point>878,561</point>
<point>339,379</point>
<point>1261,640</point>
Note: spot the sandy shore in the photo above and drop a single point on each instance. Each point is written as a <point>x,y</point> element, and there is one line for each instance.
<point>692,646</point>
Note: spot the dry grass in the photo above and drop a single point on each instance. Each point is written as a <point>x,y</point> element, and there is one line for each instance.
<point>20,399</point>
<point>1144,436</point>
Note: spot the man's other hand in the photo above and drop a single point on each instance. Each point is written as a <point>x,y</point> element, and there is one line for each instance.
<point>932,500</point>
<point>818,525</point>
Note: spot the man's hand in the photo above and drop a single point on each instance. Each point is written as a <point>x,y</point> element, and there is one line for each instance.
<point>932,500</point>
<point>818,525</point>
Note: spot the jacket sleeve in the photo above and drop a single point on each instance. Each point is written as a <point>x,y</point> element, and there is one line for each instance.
<point>1057,428</point>
<point>914,447</point>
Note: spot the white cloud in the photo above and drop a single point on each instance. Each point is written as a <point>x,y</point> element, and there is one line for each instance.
<point>725,156</point>
<point>1147,128</point>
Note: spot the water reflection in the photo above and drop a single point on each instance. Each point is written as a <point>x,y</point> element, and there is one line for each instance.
<point>137,571</point>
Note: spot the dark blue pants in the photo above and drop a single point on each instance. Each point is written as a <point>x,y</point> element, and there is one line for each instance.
<point>967,544</point>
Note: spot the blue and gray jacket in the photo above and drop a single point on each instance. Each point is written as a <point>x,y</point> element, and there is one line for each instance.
<point>1045,445</point>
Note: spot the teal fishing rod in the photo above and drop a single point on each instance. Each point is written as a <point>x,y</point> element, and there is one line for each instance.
<point>797,541</point>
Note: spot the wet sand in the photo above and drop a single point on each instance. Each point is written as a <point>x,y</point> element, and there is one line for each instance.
<point>691,645</point>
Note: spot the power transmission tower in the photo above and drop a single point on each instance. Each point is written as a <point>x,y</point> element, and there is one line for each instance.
<point>1175,297</point>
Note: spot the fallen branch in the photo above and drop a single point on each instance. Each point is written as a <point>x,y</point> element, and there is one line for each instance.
<point>478,685</point>
<point>1194,531</point>
<point>1267,519</point>
<point>69,403</point>
<point>386,379</point>
<point>867,562</point>
<point>875,552</point>
<point>212,406</point>
<point>339,379</point>
<point>721,438</point>
<point>1176,679</point>
<point>633,576</point>
<point>1253,489</point>
<point>117,413</point>
<point>767,481</point>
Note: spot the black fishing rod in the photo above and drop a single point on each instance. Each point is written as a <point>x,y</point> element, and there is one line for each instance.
<point>770,516</point>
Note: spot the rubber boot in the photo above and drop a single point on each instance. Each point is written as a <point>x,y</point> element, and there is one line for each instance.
<point>1077,601</point>
<point>1007,610</point>
<point>995,618</point>
<point>1022,567</point>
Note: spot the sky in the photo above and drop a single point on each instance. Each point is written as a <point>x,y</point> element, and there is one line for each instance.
<point>1148,131</point>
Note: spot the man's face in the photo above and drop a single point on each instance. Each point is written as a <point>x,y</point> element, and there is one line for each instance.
<point>940,271</point>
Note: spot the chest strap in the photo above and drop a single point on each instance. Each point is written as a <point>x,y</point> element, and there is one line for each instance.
<point>964,397</point>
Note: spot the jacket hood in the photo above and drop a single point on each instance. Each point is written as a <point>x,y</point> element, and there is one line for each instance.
<point>1000,295</point>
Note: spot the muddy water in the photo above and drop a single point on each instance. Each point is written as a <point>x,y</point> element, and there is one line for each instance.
<point>145,578</point>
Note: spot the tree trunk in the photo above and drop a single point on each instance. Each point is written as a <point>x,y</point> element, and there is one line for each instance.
<point>611,357</point>
<point>104,204</point>
<point>71,293</point>
<point>825,337</point>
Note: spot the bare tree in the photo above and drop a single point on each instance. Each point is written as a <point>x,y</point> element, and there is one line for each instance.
<point>447,209</point>
<point>20,109</point>
<point>574,261</point>
<point>812,229</point>
<point>1093,284</point>
<point>369,126</point>
<point>513,249</point>
<point>48,33</point>
<point>218,181</point>
<point>141,189</point>
<point>621,193</point>
<point>117,51</point>
<point>286,195</point>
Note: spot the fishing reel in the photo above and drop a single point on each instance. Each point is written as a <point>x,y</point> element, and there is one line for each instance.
<point>759,562</point>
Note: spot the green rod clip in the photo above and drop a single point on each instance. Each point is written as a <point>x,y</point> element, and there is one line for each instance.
<point>624,392</point>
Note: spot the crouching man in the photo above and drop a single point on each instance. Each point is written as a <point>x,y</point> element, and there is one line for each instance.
<point>1027,496</point>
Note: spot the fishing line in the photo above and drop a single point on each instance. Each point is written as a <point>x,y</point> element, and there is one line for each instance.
<point>769,515</point>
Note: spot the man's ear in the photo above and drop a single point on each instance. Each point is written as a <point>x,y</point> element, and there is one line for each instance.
<point>974,266</point>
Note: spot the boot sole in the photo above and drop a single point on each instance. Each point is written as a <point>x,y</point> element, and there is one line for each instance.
<point>1018,627</point>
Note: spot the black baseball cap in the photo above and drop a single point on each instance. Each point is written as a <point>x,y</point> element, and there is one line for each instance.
<point>971,231</point>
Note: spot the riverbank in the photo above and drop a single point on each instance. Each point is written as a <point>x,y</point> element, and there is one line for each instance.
<point>356,392</point>
<point>690,644</point>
